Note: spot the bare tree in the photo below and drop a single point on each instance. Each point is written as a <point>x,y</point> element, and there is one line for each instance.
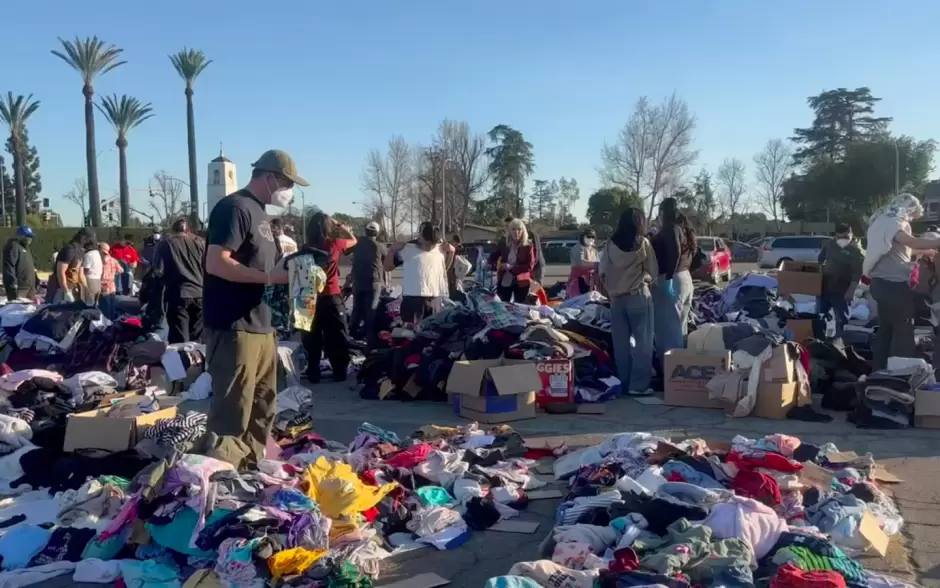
<point>166,198</point>
<point>732,187</point>
<point>653,151</point>
<point>78,195</point>
<point>772,167</point>
<point>386,179</point>
<point>466,166</point>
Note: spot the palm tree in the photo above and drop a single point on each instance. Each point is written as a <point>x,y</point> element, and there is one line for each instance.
<point>189,63</point>
<point>14,112</point>
<point>90,57</point>
<point>124,114</point>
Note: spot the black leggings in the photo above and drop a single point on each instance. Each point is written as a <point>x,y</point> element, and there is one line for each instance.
<point>329,334</point>
<point>516,292</point>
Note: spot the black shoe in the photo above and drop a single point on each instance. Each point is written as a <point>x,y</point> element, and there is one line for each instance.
<point>313,379</point>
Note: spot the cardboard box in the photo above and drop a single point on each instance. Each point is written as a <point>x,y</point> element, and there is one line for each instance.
<point>799,277</point>
<point>557,377</point>
<point>799,330</point>
<point>927,409</point>
<point>687,373</point>
<point>95,430</point>
<point>775,399</point>
<point>494,390</point>
<point>780,367</point>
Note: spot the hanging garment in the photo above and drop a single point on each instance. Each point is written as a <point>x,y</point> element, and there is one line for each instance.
<point>306,280</point>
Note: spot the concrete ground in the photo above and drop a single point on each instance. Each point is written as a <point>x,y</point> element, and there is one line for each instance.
<point>913,455</point>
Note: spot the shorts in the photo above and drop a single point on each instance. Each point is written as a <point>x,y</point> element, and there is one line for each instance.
<point>414,309</point>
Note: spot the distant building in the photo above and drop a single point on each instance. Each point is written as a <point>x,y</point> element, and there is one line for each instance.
<point>221,181</point>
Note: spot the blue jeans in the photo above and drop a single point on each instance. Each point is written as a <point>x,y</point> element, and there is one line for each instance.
<point>632,315</point>
<point>682,283</point>
<point>839,307</point>
<point>667,319</point>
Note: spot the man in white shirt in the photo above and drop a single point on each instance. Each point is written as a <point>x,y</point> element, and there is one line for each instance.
<point>93,266</point>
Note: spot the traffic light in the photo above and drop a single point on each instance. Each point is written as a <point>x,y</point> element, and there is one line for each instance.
<point>110,215</point>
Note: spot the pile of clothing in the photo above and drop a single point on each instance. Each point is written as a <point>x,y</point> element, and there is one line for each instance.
<point>886,399</point>
<point>413,362</point>
<point>314,513</point>
<point>643,510</point>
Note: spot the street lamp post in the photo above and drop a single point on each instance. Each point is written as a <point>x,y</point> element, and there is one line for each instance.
<point>444,160</point>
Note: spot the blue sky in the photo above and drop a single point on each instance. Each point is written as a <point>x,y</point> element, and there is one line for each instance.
<point>329,80</point>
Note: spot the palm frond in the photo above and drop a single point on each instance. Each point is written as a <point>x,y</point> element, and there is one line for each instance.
<point>91,56</point>
<point>189,63</point>
<point>16,110</point>
<point>124,112</point>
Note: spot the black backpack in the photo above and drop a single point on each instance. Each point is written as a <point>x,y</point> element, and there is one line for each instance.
<point>698,260</point>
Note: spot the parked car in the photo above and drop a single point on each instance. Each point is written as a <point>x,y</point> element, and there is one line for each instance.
<point>718,265</point>
<point>776,250</point>
<point>743,252</point>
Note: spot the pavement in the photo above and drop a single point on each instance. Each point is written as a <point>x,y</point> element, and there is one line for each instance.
<point>913,455</point>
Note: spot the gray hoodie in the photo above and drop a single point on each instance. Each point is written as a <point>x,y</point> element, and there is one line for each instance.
<point>627,272</point>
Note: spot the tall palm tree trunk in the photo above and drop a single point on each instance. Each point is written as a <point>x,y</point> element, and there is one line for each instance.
<point>193,172</point>
<point>125,189</point>
<point>91,157</point>
<point>19,180</point>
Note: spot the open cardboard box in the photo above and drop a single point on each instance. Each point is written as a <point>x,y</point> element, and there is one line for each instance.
<point>687,373</point>
<point>494,390</point>
<point>799,277</point>
<point>94,429</point>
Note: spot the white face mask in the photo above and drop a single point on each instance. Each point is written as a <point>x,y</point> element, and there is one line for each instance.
<point>843,242</point>
<point>589,242</point>
<point>281,197</point>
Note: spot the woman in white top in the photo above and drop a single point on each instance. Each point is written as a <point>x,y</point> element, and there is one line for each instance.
<point>93,266</point>
<point>424,262</point>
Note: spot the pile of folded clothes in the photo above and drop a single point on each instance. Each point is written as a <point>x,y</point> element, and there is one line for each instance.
<point>642,510</point>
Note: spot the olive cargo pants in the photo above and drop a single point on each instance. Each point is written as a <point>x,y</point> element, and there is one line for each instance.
<point>243,367</point>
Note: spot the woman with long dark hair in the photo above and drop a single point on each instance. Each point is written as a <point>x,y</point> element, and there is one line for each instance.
<point>672,289</point>
<point>627,268</point>
<point>329,325</point>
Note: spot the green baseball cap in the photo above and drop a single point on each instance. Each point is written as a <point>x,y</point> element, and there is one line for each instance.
<point>277,161</point>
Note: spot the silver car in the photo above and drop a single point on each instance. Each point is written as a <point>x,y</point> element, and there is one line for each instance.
<point>775,250</point>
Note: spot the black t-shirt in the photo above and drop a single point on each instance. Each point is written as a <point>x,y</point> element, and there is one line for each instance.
<point>239,223</point>
<point>71,255</point>
<point>180,257</point>
<point>368,263</point>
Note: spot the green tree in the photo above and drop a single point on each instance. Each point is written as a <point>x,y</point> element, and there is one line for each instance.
<point>850,190</point>
<point>15,112</point>
<point>91,57</point>
<point>511,162</point>
<point>606,205</point>
<point>705,203</point>
<point>842,117</point>
<point>543,202</point>
<point>32,180</point>
<point>124,113</point>
<point>189,63</point>
<point>568,195</point>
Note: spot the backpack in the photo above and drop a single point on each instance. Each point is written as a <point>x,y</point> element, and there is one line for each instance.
<point>698,260</point>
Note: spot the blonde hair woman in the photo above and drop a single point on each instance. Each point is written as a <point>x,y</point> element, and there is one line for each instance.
<point>514,260</point>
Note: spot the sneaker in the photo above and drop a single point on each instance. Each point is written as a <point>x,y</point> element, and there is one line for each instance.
<point>647,392</point>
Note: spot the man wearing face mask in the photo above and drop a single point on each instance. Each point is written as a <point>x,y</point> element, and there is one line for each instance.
<point>842,260</point>
<point>240,338</point>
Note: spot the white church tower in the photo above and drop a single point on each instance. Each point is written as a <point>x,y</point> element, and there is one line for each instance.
<point>221,181</point>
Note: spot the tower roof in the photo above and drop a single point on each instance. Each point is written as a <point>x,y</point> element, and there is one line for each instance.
<point>221,158</point>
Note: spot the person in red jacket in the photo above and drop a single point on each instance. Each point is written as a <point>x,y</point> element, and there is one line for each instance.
<point>126,254</point>
<point>514,259</point>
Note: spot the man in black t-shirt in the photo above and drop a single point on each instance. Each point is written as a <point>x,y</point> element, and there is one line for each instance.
<point>67,277</point>
<point>241,347</point>
<point>179,258</point>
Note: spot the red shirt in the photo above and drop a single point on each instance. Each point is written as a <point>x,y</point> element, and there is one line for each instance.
<point>125,253</point>
<point>335,247</point>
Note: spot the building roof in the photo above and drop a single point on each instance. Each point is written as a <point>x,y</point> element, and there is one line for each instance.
<point>221,159</point>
